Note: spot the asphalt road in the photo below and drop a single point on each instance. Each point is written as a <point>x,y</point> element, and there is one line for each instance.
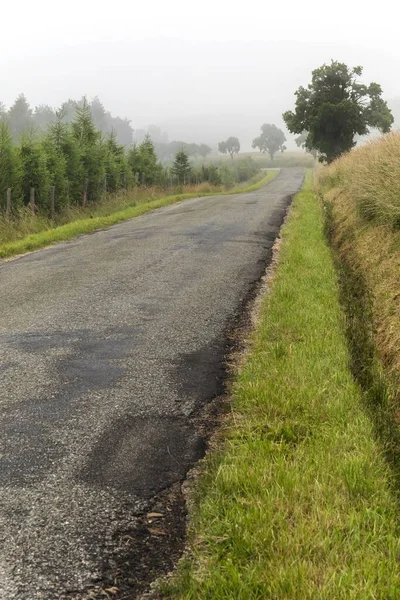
<point>110,344</point>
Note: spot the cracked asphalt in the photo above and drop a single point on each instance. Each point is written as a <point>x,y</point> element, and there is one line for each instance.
<point>110,344</point>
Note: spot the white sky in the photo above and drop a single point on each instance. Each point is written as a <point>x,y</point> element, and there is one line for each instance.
<point>156,61</point>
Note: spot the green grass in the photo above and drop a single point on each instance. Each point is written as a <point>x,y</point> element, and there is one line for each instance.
<point>51,235</point>
<point>298,502</point>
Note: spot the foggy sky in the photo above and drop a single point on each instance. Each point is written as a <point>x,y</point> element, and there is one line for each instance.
<point>175,63</point>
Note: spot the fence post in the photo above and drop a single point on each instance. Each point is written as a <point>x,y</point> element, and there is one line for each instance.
<point>32,199</point>
<point>85,190</point>
<point>52,196</point>
<point>8,207</point>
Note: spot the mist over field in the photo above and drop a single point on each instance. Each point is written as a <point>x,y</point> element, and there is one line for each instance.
<point>201,73</point>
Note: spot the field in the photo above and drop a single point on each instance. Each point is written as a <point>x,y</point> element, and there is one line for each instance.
<point>285,159</point>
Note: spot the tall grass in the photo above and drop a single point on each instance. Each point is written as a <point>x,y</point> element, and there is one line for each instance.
<point>370,178</point>
<point>362,192</point>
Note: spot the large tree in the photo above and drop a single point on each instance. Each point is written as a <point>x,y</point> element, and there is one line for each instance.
<point>335,107</point>
<point>271,140</point>
<point>230,146</point>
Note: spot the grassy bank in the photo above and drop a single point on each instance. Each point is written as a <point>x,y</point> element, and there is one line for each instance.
<point>361,192</point>
<point>298,502</point>
<point>111,211</point>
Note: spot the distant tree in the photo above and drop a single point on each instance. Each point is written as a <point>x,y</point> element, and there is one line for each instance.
<point>43,116</point>
<point>334,108</point>
<point>230,146</point>
<point>157,135</point>
<point>123,131</point>
<point>204,150</point>
<point>163,151</point>
<point>181,168</point>
<point>101,118</point>
<point>68,110</point>
<point>192,149</point>
<point>20,116</point>
<point>271,140</point>
<point>140,134</point>
<point>3,111</point>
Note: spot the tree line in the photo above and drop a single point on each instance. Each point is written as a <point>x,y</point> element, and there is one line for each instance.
<point>79,163</point>
<point>21,118</point>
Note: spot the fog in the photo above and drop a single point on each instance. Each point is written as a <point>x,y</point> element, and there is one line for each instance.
<point>200,71</point>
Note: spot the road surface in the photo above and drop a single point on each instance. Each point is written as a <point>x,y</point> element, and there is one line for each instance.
<point>110,345</point>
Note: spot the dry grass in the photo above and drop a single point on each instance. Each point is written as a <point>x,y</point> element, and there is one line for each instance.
<point>24,232</point>
<point>370,177</point>
<point>362,192</point>
<point>23,222</point>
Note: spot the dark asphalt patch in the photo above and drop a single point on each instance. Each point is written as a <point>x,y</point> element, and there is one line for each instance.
<point>144,455</point>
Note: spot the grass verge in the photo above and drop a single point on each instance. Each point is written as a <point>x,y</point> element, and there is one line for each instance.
<point>77,227</point>
<point>298,502</point>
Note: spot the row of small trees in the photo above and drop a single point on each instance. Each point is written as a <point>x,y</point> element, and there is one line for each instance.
<point>74,158</point>
<point>78,164</point>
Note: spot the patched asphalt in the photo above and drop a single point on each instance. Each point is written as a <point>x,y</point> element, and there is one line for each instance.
<point>110,344</point>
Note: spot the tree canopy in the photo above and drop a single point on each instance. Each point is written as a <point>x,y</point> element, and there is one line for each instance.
<point>334,108</point>
<point>271,140</point>
<point>231,146</point>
